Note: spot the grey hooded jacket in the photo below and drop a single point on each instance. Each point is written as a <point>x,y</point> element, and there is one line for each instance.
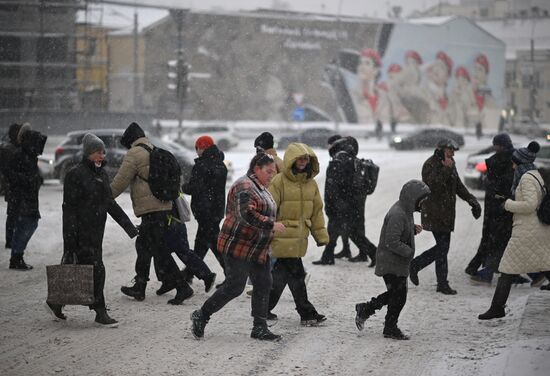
<point>396,247</point>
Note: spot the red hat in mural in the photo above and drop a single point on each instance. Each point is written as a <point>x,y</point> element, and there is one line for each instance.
<point>372,54</point>
<point>462,72</point>
<point>414,55</point>
<point>446,59</point>
<point>482,60</point>
<point>394,68</point>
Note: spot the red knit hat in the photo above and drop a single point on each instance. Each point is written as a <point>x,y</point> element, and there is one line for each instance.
<point>414,55</point>
<point>462,72</point>
<point>445,59</point>
<point>204,142</point>
<point>372,54</point>
<point>482,60</point>
<point>394,68</point>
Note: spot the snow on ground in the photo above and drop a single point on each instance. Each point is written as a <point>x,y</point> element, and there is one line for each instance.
<point>155,339</point>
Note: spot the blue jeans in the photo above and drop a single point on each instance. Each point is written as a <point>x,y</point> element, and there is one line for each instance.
<point>24,229</point>
<point>437,253</point>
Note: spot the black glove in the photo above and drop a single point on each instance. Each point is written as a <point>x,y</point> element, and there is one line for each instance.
<point>476,208</point>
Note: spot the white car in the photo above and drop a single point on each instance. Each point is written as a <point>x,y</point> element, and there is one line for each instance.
<point>223,137</point>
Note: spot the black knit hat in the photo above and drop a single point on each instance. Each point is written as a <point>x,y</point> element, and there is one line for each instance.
<point>502,139</point>
<point>526,155</point>
<point>264,141</point>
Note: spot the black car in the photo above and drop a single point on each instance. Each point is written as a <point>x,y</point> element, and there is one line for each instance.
<point>69,152</point>
<point>314,137</point>
<point>424,138</point>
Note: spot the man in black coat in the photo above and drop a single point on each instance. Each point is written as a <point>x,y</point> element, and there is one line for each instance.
<point>439,211</point>
<point>7,151</point>
<point>344,207</point>
<point>207,189</point>
<point>87,199</point>
<point>497,222</point>
<point>24,182</point>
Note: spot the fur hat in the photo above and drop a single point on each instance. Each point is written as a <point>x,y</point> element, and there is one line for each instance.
<point>91,143</point>
<point>526,155</point>
<point>204,142</point>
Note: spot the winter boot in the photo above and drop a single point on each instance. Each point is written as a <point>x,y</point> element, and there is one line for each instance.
<point>483,276</point>
<point>17,263</point>
<point>413,275</point>
<point>263,333</point>
<point>209,282</point>
<point>363,312</point>
<point>137,291</point>
<point>361,257</point>
<point>272,317</point>
<point>166,286</point>
<point>344,253</point>
<point>446,289</point>
<point>323,261</point>
<point>394,332</point>
<point>104,319</point>
<point>55,310</point>
<point>372,255</point>
<point>314,320</point>
<point>493,313</point>
<point>199,322</point>
<point>187,276</point>
<point>183,292</point>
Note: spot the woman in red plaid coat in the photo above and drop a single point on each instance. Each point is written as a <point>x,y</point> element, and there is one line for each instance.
<point>245,242</point>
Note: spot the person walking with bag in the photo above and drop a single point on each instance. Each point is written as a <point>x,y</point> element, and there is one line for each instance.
<point>87,199</point>
<point>300,209</point>
<point>245,242</point>
<point>527,250</point>
<point>394,254</point>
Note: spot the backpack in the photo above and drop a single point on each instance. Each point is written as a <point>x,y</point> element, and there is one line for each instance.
<point>365,176</point>
<point>164,174</point>
<point>543,211</point>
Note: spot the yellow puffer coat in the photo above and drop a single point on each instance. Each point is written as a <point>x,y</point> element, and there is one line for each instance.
<point>299,204</point>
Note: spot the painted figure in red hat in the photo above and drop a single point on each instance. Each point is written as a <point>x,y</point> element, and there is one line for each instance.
<point>462,105</point>
<point>397,112</point>
<point>482,92</point>
<point>436,88</point>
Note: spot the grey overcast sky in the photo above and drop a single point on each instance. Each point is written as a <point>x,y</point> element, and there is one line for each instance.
<point>371,8</point>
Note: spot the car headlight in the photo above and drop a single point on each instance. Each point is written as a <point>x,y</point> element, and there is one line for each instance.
<point>397,140</point>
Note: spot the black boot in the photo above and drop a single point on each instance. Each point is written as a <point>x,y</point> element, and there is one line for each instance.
<point>446,289</point>
<point>262,332</point>
<point>183,292</point>
<point>101,317</point>
<point>166,286</point>
<point>137,291</point>
<point>343,253</point>
<point>363,312</point>
<point>55,310</point>
<point>493,313</point>
<point>209,282</point>
<point>199,322</point>
<point>313,320</point>
<point>394,332</point>
<point>17,263</point>
<point>500,298</point>
<point>187,276</point>
<point>413,274</point>
<point>361,257</point>
<point>372,254</point>
<point>322,261</point>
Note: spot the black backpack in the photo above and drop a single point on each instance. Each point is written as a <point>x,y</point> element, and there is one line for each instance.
<point>543,211</point>
<point>164,174</point>
<point>365,176</point>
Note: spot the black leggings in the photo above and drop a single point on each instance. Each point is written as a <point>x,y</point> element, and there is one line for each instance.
<point>395,298</point>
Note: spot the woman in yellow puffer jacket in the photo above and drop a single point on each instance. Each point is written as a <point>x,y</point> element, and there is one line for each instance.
<point>300,209</point>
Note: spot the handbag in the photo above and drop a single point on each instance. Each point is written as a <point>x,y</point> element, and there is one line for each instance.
<point>543,211</point>
<point>184,209</point>
<point>70,284</point>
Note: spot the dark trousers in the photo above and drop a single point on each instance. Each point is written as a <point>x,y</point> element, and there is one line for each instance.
<point>176,241</point>
<point>99,276</point>
<point>24,229</point>
<point>502,291</point>
<point>11,217</point>
<point>395,298</point>
<point>151,243</point>
<point>437,253</point>
<point>355,231</point>
<point>236,273</point>
<point>207,238</point>
<point>290,271</point>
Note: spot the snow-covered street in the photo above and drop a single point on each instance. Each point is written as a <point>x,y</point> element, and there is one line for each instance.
<point>154,338</point>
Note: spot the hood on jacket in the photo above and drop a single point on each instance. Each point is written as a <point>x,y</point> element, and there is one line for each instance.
<point>411,193</point>
<point>13,132</point>
<point>213,152</point>
<point>131,134</point>
<point>344,144</point>
<point>292,153</point>
<point>22,130</point>
<point>32,142</point>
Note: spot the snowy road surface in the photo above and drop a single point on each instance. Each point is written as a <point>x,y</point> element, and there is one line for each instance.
<point>154,338</point>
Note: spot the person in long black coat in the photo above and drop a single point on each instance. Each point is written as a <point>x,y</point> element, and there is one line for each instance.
<point>87,199</point>
<point>24,183</point>
<point>497,222</point>
<point>7,150</point>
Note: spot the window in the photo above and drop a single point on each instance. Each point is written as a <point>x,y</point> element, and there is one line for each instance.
<point>10,49</point>
<point>51,49</point>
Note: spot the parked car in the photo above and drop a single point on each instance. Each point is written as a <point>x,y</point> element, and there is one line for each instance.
<point>424,138</point>
<point>69,152</point>
<point>475,175</point>
<point>222,135</point>
<point>314,137</point>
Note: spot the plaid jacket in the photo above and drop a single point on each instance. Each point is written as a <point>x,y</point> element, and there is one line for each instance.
<point>247,230</point>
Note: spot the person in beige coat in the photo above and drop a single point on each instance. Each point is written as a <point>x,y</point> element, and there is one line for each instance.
<point>527,251</point>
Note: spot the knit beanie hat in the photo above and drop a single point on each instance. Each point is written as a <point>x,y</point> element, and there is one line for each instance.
<point>91,143</point>
<point>502,139</point>
<point>131,134</point>
<point>526,155</point>
<point>264,141</point>
<point>204,142</point>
